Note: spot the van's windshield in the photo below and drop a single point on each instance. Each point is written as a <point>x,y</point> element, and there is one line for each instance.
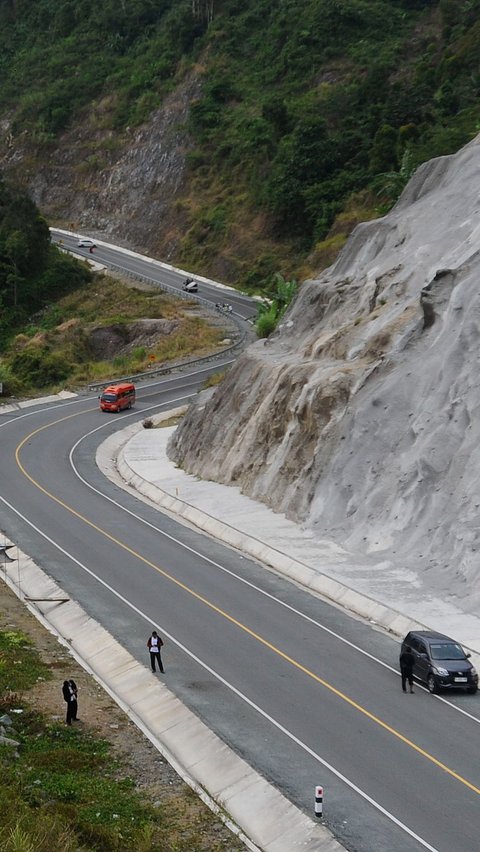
<point>109,397</point>
<point>447,651</point>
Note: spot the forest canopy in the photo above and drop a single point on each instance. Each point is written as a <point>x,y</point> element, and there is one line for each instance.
<point>32,270</point>
<point>303,106</point>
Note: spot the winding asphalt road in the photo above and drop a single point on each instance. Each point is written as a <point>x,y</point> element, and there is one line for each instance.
<point>304,692</point>
<point>166,276</point>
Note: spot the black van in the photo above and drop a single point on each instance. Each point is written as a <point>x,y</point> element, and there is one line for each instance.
<point>440,662</point>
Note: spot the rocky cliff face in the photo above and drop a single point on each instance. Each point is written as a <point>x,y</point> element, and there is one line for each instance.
<point>117,185</point>
<point>359,416</point>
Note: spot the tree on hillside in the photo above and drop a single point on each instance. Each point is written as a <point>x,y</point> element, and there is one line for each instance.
<point>24,246</point>
<point>32,271</point>
<point>16,249</point>
<point>272,310</point>
<point>202,10</point>
<point>390,185</point>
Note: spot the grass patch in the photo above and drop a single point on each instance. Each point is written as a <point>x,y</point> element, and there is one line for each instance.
<point>214,380</point>
<point>20,665</point>
<point>170,421</point>
<point>65,781</point>
<point>56,350</point>
<point>65,789</point>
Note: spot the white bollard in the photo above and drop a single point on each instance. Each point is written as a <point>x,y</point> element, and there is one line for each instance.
<point>318,801</point>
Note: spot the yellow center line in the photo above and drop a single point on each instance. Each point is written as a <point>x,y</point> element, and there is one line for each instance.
<point>350,701</point>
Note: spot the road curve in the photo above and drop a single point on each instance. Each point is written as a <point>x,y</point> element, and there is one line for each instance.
<point>161,274</point>
<point>304,692</point>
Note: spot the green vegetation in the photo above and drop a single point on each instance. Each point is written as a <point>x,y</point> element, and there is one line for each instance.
<point>32,270</point>
<point>58,56</point>
<point>20,665</point>
<point>214,380</point>
<point>58,347</point>
<point>272,310</point>
<point>305,105</point>
<point>63,788</point>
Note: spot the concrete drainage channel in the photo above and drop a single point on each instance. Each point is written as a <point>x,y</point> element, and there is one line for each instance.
<point>251,807</point>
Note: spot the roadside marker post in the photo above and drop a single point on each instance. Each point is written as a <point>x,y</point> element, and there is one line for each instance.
<point>319,802</point>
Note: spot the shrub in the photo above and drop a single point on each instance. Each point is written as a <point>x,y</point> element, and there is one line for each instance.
<point>270,312</point>
<point>11,385</point>
<point>39,368</point>
<point>213,380</point>
<point>267,322</point>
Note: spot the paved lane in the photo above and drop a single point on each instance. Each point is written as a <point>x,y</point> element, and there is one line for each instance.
<point>109,255</point>
<point>251,653</point>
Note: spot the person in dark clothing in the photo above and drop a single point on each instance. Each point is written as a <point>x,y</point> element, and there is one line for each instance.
<point>154,644</point>
<point>69,690</point>
<point>74,691</point>
<point>406,668</point>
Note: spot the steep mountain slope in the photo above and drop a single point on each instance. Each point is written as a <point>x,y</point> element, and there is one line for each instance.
<point>230,137</point>
<point>124,186</point>
<point>359,416</point>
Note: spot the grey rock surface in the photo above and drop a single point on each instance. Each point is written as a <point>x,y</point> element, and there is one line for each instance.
<point>8,741</point>
<point>358,417</point>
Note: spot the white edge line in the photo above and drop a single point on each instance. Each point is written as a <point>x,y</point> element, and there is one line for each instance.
<point>147,523</point>
<point>151,260</point>
<point>229,686</point>
<point>231,573</point>
<point>165,381</point>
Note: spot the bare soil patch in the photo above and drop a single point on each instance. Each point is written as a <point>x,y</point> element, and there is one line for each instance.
<point>108,341</point>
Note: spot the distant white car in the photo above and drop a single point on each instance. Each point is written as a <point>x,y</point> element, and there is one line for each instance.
<point>86,243</point>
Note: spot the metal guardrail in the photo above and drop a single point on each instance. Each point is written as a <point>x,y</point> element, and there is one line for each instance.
<point>173,291</point>
<point>159,371</point>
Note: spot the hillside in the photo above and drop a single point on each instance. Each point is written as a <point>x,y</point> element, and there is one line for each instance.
<point>32,270</point>
<point>63,325</point>
<point>235,141</point>
<point>358,416</point>
<point>108,327</point>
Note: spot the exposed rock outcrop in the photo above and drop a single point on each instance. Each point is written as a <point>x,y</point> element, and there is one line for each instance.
<point>122,338</point>
<point>359,416</point>
<point>115,184</point>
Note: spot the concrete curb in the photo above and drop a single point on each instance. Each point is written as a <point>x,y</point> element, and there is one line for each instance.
<point>251,807</point>
<point>377,613</point>
<point>306,576</point>
<point>7,408</point>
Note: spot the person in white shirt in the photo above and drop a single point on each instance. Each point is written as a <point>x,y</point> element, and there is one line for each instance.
<point>154,644</point>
